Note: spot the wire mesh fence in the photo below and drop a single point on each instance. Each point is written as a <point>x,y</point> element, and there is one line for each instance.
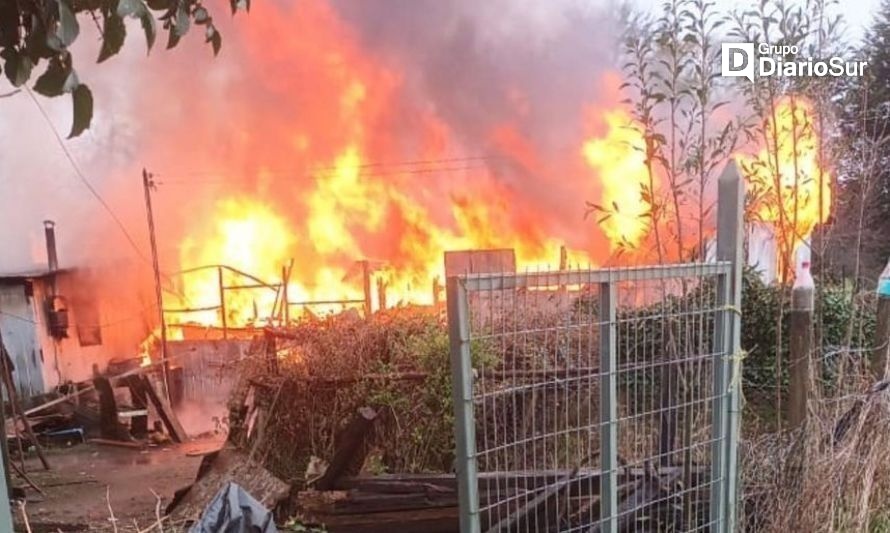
<point>601,400</point>
<point>596,398</point>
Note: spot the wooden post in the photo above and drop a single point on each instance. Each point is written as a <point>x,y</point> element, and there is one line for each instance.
<point>381,293</point>
<point>285,306</point>
<point>271,352</point>
<point>17,411</point>
<point>882,327</point>
<point>349,451</point>
<point>6,487</point>
<point>366,283</point>
<point>222,302</point>
<point>148,185</point>
<point>801,343</point>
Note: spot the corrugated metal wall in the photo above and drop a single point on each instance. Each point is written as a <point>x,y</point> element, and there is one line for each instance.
<point>18,326</point>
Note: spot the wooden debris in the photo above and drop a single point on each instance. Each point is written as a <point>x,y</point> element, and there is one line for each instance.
<point>110,426</point>
<point>138,424</point>
<point>163,411</point>
<point>119,443</point>
<point>216,470</point>
<point>528,516</point>
<point>16,406</point>
<point>21,473</point>
<point>350,450</point>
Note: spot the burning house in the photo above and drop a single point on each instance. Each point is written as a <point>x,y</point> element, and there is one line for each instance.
<point>59,326</point>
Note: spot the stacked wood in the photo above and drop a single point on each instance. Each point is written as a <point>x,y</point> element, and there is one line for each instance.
<point>427,503</point>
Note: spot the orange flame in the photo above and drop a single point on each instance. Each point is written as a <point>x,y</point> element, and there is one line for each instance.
<point>312,175</point>
<point>619,159</point>
<point>786,179</point>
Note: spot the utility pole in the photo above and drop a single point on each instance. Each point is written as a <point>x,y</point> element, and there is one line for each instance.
<point>148,184</point>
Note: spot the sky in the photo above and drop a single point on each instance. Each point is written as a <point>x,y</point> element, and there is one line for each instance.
<point>38,181</point>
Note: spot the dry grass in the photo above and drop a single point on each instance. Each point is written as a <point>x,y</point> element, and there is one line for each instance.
<point>832,475</point>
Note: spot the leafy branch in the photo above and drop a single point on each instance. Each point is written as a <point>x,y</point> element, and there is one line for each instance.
<point>38,31</point>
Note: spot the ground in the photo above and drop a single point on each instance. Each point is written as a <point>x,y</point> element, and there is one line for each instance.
<point>86,478</point>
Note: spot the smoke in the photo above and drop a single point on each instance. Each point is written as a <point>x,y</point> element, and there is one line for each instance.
<point>510,79</point>
<point>302,88</point>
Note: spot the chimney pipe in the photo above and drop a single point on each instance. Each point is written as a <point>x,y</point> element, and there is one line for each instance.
<point>49,228</point>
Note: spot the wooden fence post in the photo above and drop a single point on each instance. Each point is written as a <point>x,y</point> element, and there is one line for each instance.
<point>801,344</point>
<point>882,327</point>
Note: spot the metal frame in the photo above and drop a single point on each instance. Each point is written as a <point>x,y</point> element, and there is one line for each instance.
<point>726,270</point>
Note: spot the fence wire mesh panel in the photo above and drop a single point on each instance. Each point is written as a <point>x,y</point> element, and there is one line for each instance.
<point>593,400</point>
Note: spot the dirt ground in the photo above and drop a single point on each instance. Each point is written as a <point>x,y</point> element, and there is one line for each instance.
<point>88,482</point>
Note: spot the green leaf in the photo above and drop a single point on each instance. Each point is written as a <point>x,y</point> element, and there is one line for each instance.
<point>138,9</point>
<point>72,82</point>
<point>148,26</point>
<point>182,21</point>
<point>82,99</point>
<point>201,16</point>
<point>214,38</point>
<point>35,42</point>
<point>18,66</point>
<point>52,81</point>
<point>130,8</point>
<point>68,29</point>
<point>113,34</point>
<point>172,38</point>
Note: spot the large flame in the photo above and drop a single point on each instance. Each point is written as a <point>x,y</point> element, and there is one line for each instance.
<point>326,158</point>
<point>791,191</point>
<point>620,161</point>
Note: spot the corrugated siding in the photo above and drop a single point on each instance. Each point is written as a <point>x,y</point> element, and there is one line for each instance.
<point>18,325</point>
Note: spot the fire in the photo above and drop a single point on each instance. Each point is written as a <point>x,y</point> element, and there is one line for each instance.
<point>787,181</point>
<point>329,156</point>
<point>619,159</point>
<point>249,236</point>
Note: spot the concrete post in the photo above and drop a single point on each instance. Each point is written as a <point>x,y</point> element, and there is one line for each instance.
<point>727,369</point>
<point>801,344</point>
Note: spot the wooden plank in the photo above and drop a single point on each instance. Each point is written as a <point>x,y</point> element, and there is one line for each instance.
<point>165,412</point>
<point>216,469</point>
<point>351,449</point>
<point>528,515</point>
<point>109,423</point>
<point>138,425</point>
<point>119,443</point>
<point>437,520</point>
<point>512,479</point>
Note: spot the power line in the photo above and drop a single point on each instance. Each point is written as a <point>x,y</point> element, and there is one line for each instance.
<point>481,159</point>
<point>84,179</point>
<point>416,171</point>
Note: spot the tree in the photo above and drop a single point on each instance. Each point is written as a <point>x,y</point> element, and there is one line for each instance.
<point>42,31</point>
<point>863,196</point>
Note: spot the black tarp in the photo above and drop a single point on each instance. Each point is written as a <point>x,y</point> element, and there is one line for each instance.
<point>233,510</point>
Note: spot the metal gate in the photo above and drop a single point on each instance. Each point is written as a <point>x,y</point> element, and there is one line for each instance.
<point>601,400</point>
